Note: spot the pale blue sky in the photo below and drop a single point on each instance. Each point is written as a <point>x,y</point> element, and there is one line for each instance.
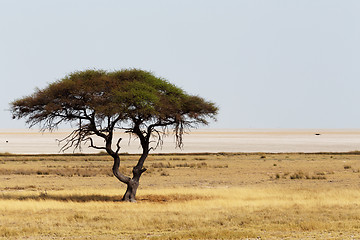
<point>267,64</point>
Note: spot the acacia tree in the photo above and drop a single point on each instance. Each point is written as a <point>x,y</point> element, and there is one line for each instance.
<point>98,103</point>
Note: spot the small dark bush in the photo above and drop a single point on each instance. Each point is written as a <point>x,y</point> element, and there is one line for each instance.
<point>347,166</point>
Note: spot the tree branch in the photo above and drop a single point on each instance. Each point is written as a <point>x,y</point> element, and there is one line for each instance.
<point>118,146</point>
<point>93,146</point>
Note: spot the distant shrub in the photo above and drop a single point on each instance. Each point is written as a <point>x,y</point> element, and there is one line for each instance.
<point>184,165</point>
<point>299,175</point>
<point>318,177</point>
<point>347,166</point>
<point>165,174</point>
<point>39,172</point>
<point>221,166</point>
<point>201,165</point>
<point>177,158</point>
<point>6,154</point>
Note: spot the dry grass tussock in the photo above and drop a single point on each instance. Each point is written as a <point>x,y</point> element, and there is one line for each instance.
<point>241,201</point>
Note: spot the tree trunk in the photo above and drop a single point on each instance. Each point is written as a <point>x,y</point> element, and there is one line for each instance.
<point>130,193</point>
<point>122,178</point>
<point>133,184</point>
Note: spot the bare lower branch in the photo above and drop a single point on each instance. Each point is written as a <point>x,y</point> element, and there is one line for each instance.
<point>72,140</point>
<point>96,147</point>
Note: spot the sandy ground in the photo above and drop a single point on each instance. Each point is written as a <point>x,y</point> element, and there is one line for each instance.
<point>211,140</point>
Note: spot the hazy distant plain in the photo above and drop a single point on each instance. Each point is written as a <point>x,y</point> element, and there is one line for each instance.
<point>219,140</point>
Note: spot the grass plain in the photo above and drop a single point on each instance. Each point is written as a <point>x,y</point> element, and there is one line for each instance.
<point>190,196</point>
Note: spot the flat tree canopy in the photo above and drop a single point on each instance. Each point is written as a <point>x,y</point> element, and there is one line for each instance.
<point>100,102</point>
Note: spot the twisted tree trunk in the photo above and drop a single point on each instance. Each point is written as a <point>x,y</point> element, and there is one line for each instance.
<point>130,193</point>
<point>133,184</point>
<point>138,170</point>
<point>122,178</point>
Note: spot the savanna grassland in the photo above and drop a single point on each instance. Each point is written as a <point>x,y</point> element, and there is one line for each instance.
<point>208,196</point>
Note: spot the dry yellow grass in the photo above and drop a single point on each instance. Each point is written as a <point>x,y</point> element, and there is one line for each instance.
<point>220,196</point>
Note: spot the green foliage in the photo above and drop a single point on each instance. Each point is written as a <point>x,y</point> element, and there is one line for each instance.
<point>99,100</point>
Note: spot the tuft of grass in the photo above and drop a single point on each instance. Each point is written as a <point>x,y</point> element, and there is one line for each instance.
<point>40,172</point>
<point>186,165</point>
<point>318,177</point>
<point>300,175</point>
<point>162,165</point>
<point>76,217</point>
<point>8,232</point>
<point>220,166</point>
<point>177,158</point>
<point>21,187</point>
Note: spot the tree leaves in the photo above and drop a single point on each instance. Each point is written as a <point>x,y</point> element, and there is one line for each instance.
<point>127,98</point>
